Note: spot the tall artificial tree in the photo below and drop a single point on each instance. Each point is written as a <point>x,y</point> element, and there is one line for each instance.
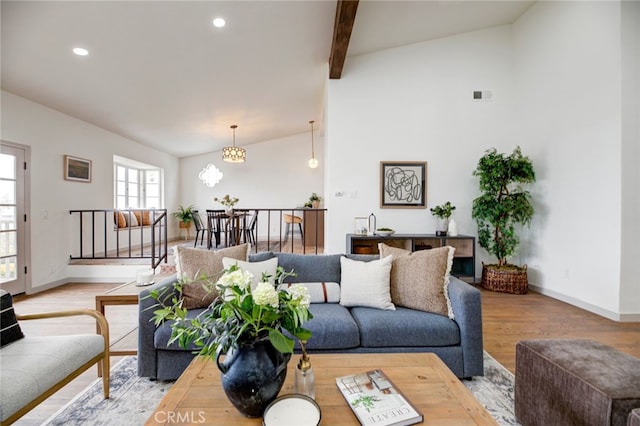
<point>504,202</point>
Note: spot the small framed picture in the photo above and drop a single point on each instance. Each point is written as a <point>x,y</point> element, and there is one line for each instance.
<point>361,225</point>
<point>77,169</point>
<point>403,185</point>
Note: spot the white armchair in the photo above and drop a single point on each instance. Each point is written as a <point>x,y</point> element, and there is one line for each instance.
<point>34,367</point>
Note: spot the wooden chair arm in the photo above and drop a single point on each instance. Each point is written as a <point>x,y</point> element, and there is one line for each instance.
<point>100,319</point>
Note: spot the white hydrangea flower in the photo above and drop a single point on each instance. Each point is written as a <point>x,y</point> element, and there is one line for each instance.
<point>239,278</point>
<point>265,294</point>
<point>300,292</point>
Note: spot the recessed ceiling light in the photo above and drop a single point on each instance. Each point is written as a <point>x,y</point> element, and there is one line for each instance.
<point>219,22</point>
<point>80,51</point>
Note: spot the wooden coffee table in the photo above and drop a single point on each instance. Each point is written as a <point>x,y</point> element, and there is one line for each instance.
<point>197,396</point>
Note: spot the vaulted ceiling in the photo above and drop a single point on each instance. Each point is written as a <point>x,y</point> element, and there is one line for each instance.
<point>159,72</point>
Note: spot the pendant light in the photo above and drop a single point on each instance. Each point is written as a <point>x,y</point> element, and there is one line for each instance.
<point>233,154</point>
<point>313,163</point>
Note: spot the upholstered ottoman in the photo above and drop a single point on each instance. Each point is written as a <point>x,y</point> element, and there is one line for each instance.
<point>574,382</point>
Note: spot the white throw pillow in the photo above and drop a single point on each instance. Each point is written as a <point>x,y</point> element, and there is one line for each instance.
<point>256,268</point>
<point>320,292</point>
<point>366,283</point>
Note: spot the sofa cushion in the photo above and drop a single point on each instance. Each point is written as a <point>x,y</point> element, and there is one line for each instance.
<point>324,292</point>
<point>120,219</point>
<point>310,267</point>
<point>162,334</point>
<point>192,263</point>
<point>10,329</point>
<point>332,327</point>
<point>366,283</point>
<point>260,257</point>
<point>419,279</point>
<point>404,327</point>
<point>34,364</point>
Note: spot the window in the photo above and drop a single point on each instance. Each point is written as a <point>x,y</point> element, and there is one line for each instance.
<point>137,185</point>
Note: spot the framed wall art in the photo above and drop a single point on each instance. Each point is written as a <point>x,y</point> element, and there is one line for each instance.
<point>77,169</point>
<point>403,184</point>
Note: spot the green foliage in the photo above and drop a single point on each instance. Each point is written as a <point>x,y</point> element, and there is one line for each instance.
<point>239,314</point>
<point>313,197</point>
<point>504,202</point>
<point>184,214</point>
<point>443,211</point>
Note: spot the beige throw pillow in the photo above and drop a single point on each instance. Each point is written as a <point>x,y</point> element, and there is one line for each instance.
<point>192,263</point>
<point>419,279</point>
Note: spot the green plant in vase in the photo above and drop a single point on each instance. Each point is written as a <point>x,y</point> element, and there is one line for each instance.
<point>443,213</point>
<point>254,327</point>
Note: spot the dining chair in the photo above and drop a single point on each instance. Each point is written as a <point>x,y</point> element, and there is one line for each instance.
<point>290,219</point>
<point>249,230</point>
<point>201,230</point>
<point>217,224</point>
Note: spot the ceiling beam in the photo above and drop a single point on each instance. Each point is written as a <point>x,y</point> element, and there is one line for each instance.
<point>345,17</point>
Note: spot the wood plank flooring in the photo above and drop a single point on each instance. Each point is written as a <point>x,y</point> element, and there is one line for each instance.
<point>506,320</point>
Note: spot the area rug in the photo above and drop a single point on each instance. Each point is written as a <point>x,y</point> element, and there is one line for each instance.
<point>133,399</point>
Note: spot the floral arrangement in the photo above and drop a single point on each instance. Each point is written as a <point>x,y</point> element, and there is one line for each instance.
<point>241,315</point>
<point>227,201</point>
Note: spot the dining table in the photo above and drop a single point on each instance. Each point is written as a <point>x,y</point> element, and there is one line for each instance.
<point>231,224</point>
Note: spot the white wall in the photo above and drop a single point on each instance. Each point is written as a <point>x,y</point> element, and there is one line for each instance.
<point>556,85</point>
<point>630,229</point>
<point>415,103</point>
<point>275,175</point>
<point>51,135</point>
<point>568,88</point>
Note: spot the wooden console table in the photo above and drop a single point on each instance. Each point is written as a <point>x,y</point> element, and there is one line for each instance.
<point>464,259</point>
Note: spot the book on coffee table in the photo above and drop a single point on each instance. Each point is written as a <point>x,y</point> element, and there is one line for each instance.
<point>375,400</point>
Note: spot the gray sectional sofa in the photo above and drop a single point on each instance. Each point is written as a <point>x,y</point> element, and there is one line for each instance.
<point>339,329</point>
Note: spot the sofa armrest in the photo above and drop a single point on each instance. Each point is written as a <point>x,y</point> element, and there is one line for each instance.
<point>147,363</point>
<point>467,311</point>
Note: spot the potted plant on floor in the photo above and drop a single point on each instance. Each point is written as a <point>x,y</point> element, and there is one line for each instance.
<point>443,213</point>
<point>503,205</point>
<point>184,215</point>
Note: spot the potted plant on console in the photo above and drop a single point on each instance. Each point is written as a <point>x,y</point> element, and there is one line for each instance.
<point>314,201</point>
<point>503,204</point>
<point>443,213</point>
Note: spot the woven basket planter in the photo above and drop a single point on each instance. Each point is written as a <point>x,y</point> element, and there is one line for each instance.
<point>510,279</point>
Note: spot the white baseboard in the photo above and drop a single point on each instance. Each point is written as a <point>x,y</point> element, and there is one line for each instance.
<point>614,316</point>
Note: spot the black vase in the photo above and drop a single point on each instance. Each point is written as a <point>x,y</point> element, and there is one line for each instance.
<point>252,376</point>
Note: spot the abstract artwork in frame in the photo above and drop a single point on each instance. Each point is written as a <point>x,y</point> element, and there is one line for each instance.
<point>403,184</point>
<point>77,169</point>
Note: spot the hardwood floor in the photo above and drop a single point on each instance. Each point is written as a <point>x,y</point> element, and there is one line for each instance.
<point>506,320</point>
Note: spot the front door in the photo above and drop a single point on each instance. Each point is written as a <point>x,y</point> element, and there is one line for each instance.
<point>13,218</point>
